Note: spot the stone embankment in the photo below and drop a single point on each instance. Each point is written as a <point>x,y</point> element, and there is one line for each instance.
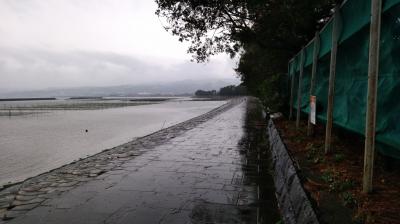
<point>31,193</point>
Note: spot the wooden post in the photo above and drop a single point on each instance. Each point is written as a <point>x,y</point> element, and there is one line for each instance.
<point>302,58</point>
<point>291,92</point>
<point>332,74</point>
<point>310,127</point>
<point>373,70</point>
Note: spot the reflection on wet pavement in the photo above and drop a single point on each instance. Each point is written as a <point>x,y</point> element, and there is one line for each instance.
<point>216,172</point>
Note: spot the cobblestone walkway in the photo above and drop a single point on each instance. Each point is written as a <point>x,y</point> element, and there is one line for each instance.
<point>196,172</point>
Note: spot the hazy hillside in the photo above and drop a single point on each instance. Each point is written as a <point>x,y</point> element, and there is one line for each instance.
<point>173,88</point>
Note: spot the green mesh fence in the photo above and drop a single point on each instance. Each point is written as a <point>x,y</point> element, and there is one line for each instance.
<point>351,81</point>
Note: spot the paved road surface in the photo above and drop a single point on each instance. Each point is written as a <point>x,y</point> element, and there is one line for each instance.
<point>206,174</point>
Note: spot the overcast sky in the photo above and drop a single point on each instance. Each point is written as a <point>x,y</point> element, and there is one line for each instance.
<point>71,43</point>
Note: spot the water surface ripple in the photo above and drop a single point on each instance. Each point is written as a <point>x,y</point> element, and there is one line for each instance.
<point>36,143</point>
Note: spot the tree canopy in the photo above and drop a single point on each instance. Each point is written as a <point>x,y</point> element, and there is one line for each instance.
<point>264,33</point>
<point>232,90</point>
<point>205,93</point>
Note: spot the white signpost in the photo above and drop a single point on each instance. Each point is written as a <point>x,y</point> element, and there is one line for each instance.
<point>313,109</point>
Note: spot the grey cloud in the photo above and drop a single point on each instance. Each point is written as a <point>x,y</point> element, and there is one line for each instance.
<point>26,69</point>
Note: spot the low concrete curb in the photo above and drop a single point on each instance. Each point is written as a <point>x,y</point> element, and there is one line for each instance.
<point>293,201</point>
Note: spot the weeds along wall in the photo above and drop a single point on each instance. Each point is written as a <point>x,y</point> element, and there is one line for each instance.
<point>351,81</point>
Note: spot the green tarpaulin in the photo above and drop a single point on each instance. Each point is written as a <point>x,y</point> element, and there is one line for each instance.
<point>352,73</point>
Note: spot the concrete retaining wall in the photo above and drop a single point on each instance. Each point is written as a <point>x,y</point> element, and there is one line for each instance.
<point>293,201</point>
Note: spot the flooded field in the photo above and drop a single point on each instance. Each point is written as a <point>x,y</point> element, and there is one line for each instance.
<point>23,107</point>
<point>36,137</point>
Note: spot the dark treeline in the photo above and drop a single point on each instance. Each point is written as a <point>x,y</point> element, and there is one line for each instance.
<point>233,91</point>
<point>265,34</point>
<point>224,91</point>
<point>205,93</point>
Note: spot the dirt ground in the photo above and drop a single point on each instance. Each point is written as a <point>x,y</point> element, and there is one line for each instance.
<point>334,181</point>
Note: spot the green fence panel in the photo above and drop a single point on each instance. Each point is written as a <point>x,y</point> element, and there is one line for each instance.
<point>309,54</point>
<point>321,86</point>
<point>326,39</point>
<point>388,117</point>
<point>291,68</point>
<point>351,82</point>
<point>355,15</point>
<point>296,62</point>
<point>305,90</point>
<point>292,71</point>
<point>387,4</point>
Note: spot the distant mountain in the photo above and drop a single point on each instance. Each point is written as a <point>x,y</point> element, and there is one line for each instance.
<point>186,87</point>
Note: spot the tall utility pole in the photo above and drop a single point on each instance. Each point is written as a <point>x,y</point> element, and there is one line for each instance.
<point>332,74</point>
<point>373,70</point>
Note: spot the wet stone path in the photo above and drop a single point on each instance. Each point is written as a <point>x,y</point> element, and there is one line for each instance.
<point>205,170</point>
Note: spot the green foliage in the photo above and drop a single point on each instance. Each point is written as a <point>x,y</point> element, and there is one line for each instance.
<point>349,199</point>
<point>327,176</point>
<point>232,91</point>
<point>211,26</point>
<point>338,157</point>
<point>315,153</point>
<point>346,185</point>
<point>205,93</point>
<point>265,33</point>
<point>360,218</point>
<point>335,183</point>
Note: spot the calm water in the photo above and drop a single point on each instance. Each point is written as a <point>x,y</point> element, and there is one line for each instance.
<point>35,143</point>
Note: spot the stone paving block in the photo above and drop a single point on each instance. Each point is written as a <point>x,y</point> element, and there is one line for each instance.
<point>194,172</point>
<point>25,207</point>
<point>9,215</point>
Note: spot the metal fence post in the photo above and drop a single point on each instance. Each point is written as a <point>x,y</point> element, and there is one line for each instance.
<point>332,74</point>
<point>373,70</point>
<point>310,127</point>
<point>302,58</point>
